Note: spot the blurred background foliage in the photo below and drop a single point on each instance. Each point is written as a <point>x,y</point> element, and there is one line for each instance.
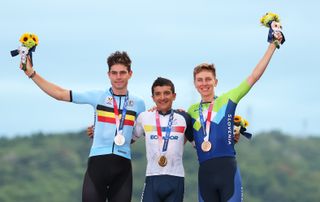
<point>50,167</point>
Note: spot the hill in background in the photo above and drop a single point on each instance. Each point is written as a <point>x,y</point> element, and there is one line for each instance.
<point>50,167</point>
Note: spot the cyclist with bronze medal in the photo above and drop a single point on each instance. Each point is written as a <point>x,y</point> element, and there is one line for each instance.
<point>219,176</point>
<point>205,125</point>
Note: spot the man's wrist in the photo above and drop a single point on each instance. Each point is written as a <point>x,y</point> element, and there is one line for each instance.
<point>32,74</point>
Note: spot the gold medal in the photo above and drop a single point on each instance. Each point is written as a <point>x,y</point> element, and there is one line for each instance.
<point>162,161</point>
<point>206,146</point>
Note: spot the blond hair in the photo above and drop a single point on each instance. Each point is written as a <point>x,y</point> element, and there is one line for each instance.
<point>204,67</point>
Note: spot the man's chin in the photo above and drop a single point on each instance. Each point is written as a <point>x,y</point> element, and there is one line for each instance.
<point>119,87</point>
<point>164,109</point>
<point>206,93</point>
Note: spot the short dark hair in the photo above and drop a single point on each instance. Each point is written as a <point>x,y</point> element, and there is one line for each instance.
<point>119,58</point>
<point>204,67</point>
<point>162,82</point>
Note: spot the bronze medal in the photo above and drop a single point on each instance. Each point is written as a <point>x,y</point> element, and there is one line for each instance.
<point>162,161</point>
<point>206,146</point>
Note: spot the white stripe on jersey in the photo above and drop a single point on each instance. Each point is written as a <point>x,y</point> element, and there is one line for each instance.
<point>146,125</point>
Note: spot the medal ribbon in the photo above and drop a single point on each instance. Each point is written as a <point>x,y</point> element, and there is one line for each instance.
<point>206,124</point>
<point>168,131</point>
<point>119,122</point>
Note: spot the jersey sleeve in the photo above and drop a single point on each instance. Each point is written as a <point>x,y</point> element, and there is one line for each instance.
<point>88,97</point>
<point>235,95</point>
<point>239,92</point>
<point>188,132</point>
<point>141,107</point>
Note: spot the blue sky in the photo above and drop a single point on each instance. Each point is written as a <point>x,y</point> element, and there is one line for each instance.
<point>163,38</point>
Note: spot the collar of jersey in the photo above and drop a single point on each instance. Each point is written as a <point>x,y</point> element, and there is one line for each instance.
<point>166,113</point>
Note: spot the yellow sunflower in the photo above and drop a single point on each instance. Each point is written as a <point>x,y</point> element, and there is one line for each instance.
<point>35,38</point>
<point>268,17</point>
<point>237,119</point>
<point>29,40</point>
<point>245,123</point>
<point>24,38</point>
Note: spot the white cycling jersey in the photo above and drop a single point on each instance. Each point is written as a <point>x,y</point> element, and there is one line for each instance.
<point>181,128</point>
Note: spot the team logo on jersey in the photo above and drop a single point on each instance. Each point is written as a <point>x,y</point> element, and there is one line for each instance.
<point>174,122</point>
<point>171,137</point>
<point>109,100</point>
<point>230,128</point>
<point>130,103</point>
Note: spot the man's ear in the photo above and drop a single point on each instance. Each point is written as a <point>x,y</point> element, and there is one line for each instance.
<point>174,96</point>
<point>216,82</point>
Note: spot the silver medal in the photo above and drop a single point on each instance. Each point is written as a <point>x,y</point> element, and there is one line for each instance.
<point>119,140</point>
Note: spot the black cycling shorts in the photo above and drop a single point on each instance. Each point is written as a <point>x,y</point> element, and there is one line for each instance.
<point>108,177</point>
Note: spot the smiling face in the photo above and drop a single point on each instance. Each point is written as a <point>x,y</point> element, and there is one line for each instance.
<point>119,77</point>
<point>205,82</point>
<point>163,97</point>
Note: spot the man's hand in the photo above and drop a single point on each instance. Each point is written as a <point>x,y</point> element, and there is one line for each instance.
<point>152,109</point>
<point>275,34</point>
<point>90,131</point>
<point>29,69</point>
<point>236,131</point>
<point>279,36</point>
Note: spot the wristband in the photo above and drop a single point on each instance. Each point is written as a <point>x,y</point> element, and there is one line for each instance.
<point>32,75</point>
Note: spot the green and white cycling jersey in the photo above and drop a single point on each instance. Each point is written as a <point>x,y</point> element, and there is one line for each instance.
<point>221,134</point>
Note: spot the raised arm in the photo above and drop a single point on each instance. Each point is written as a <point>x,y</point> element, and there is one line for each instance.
<point>51,89</point>
<point>263,63</point>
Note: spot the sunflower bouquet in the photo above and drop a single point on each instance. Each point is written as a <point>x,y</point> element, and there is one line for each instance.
<point>272,21</point>
<point>240,126</point>
<point>29,41</point>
